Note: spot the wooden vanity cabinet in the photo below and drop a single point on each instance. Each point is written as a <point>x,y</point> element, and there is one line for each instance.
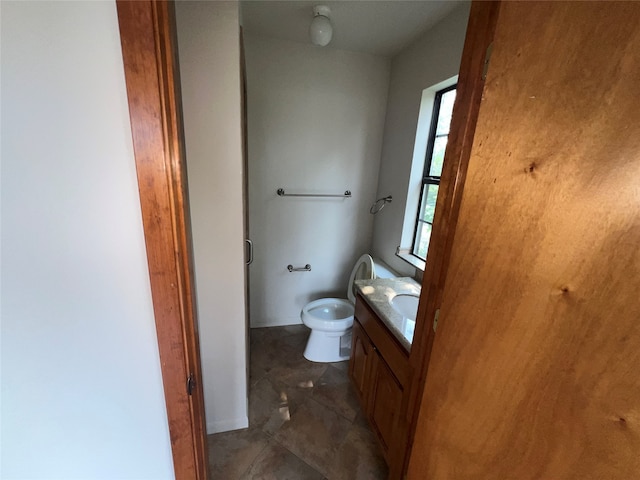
<point>378,369</point>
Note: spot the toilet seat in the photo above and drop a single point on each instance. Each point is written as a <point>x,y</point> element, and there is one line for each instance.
<point>362,270</point>
<point>329,314</point>
<point>331,318</point>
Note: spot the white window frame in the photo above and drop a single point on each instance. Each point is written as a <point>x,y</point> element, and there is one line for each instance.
<point>417,171</point>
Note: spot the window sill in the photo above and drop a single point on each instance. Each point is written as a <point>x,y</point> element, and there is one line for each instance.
<point>410,259</point>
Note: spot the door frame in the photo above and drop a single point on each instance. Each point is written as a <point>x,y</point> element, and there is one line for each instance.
<point>149,51</point>
<point>149,46</point>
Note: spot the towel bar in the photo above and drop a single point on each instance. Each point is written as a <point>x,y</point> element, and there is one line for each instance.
<point>282,193</point>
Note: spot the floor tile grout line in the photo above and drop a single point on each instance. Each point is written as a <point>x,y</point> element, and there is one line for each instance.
<point>253,462</point>
<point>298,457</point>
<point>335,449</point>
<point>336,411</point>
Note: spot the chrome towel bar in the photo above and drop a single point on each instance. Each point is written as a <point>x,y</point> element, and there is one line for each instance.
<point>282,193</point>
<point>306,268</point>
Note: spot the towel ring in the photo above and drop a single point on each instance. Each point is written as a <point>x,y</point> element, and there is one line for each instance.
<point>379,204</point>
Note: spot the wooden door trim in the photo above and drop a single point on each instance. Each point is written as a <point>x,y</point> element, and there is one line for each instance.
<point>481,27</point>
<point>149,50</point>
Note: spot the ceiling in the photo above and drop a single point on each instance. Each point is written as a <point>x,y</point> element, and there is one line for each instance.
<point>381,27</point>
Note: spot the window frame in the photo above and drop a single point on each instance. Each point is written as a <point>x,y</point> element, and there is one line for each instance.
<point>428,159</point>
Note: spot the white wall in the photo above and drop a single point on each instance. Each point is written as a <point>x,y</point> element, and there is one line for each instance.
<point>81,382</point>
<point>315,122</point>
<point>433,58</point>
<point>209,50</point>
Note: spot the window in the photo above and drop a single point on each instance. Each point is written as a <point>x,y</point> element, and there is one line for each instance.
<point>436,145</point>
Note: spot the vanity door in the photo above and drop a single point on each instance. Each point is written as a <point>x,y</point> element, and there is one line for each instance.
<point>362,354</point>
<point>384,403</point>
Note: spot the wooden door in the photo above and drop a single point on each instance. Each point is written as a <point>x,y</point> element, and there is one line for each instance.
<point>534,367</point>
<point>147,34</point>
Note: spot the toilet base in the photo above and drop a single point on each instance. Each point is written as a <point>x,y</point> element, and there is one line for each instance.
<point>324,347</point>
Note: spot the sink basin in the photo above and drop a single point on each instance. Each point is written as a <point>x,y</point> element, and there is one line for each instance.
<point>405,305</point>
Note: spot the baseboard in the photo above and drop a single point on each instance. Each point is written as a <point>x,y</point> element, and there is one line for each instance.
<point>227,425</point>
<point>283,322</point>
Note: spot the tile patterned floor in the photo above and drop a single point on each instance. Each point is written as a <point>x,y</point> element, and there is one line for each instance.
<point>304,419</point>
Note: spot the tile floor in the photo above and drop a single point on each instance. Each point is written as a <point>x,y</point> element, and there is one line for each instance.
<point>304,419</point>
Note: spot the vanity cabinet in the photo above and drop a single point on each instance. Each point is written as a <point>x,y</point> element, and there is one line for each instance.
<point>379,372</point>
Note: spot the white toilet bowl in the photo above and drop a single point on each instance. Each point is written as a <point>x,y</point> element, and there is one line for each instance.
<point>331,319</point>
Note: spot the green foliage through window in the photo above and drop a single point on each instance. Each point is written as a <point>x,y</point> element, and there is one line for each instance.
<point>436,146</point>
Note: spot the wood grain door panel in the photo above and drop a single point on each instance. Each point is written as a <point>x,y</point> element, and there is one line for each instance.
<point>534,367</point>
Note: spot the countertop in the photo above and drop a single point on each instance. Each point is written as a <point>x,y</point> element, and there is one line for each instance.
<point>378,292</point>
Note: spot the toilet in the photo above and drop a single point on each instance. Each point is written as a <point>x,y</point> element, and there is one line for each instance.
<point>331,319</point>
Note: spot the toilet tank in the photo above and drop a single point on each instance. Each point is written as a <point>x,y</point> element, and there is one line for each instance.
<point>382,270</point>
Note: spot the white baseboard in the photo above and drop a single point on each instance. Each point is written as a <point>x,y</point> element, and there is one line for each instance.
<point>277,322</point>
<point>227,425</point>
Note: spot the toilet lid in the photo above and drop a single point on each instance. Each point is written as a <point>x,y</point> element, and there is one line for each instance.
<point>362,270</point>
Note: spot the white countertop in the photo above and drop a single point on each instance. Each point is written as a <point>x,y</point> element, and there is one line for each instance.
<point>379,292</point>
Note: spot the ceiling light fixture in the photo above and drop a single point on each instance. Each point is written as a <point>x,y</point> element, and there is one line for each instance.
<point>320,29</point>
